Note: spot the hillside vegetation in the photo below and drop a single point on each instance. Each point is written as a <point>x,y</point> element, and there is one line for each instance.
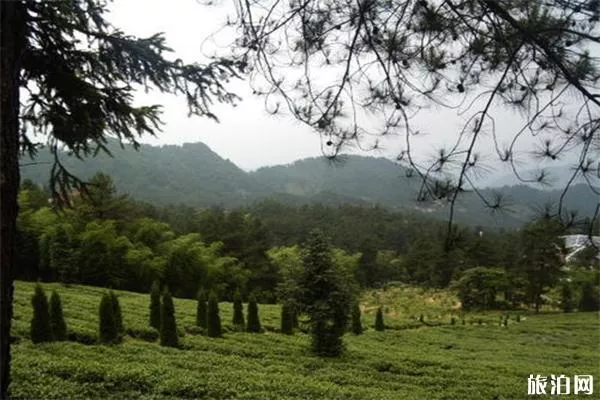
<point>194,175</point>
<point>474,361</point>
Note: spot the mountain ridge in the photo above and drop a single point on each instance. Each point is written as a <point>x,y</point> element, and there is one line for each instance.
<point>194,175</point>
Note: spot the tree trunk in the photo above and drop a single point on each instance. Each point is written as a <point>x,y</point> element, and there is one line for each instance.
<point>12,43</point>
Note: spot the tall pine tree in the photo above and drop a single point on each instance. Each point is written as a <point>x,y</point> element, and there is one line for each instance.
<point>325,296</point>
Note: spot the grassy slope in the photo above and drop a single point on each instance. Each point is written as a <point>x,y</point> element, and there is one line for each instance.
<point>444,362</point>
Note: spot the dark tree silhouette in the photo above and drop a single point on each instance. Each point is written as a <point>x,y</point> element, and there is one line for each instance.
<point>379,324</point>
<point>253,324</point>
<point>213,317</point>
<point>238,311</point>
<point>41,329</point>
<point>155,306</point>
<point>168,325</point>
<point>201,316</point>
<point>57,319</point>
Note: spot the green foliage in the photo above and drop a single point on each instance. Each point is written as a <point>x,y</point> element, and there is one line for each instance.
<point>287,319</point>
<point>590,298</point>
<point>201,310</point>
<point>41,328</point>
<point>213,317</point>
<point>57,319</point>
<point>357,328</point>
<point>108,332</point>
<point>117,313</point>
<point>155,306</point>
<point>379,324</point>
<point>325,296</point>
<point>238,311</point>
<point>540,263</point>
<point>253,318</point>
<point>477,287</point>
<point>566,297</point>
<point>168,325</point>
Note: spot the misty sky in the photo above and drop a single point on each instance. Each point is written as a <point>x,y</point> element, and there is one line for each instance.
<point>248,135</point>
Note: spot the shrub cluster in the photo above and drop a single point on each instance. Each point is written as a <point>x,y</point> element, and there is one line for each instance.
<point>48,322</point>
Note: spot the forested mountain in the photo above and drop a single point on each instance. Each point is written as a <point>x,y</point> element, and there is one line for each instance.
<point>194,175</point>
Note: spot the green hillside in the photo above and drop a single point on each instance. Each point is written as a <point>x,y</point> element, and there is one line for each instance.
<point>194,175</point>
<point>410,360</point>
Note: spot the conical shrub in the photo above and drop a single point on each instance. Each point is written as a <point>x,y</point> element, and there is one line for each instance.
<point>213,317</point>
<point>201,311</point>
<point>356,322</point>
<point>117,314</point>
<point>238,312</point>
<point>379,325</point>
<point>168,326</point>
<point>41,329</point>
<point>155,306</point>
<point>253,320</point>
<point>589,299</point>
<point>287,319</point>
<point>57,319</point>
<point>107,330</point>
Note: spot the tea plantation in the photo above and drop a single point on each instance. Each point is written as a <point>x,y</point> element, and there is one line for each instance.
<point>432,359</point>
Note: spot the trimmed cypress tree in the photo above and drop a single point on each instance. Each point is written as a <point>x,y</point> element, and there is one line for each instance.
<point>253,320</point>
<point>379,325</point>
<point>201,311</point>
<point>57,319</point>
<point>287,319</point>
<point>168,325</point>
<point>107,330</point>
<point>155,306</point>
<point>41,329</point>
<point>213,317</point>
<point>238,311</point>
<point>589,300</point>
<point>356,323</point>
<point>117,314</point>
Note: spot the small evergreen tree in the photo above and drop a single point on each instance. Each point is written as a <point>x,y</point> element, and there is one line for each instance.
<point>41,329</point>
<point>253,319</point>
<point>213,317</point>
<point>108,332</point>
<point>201,311</point>
<point>117,314</point>
<point>287,319</point>
<point>379,325</point>
<point>155,306</point>
<point>589,300</point>
<point>57,319</point>
<point>566,297</point>
<point>168,325</point>
<point>238,311</point>
<point>356,322</point>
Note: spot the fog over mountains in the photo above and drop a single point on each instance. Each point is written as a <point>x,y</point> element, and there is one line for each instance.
<point>194,175</point>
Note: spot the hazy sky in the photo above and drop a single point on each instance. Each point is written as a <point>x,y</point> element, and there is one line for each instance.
<point>247,135</point>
